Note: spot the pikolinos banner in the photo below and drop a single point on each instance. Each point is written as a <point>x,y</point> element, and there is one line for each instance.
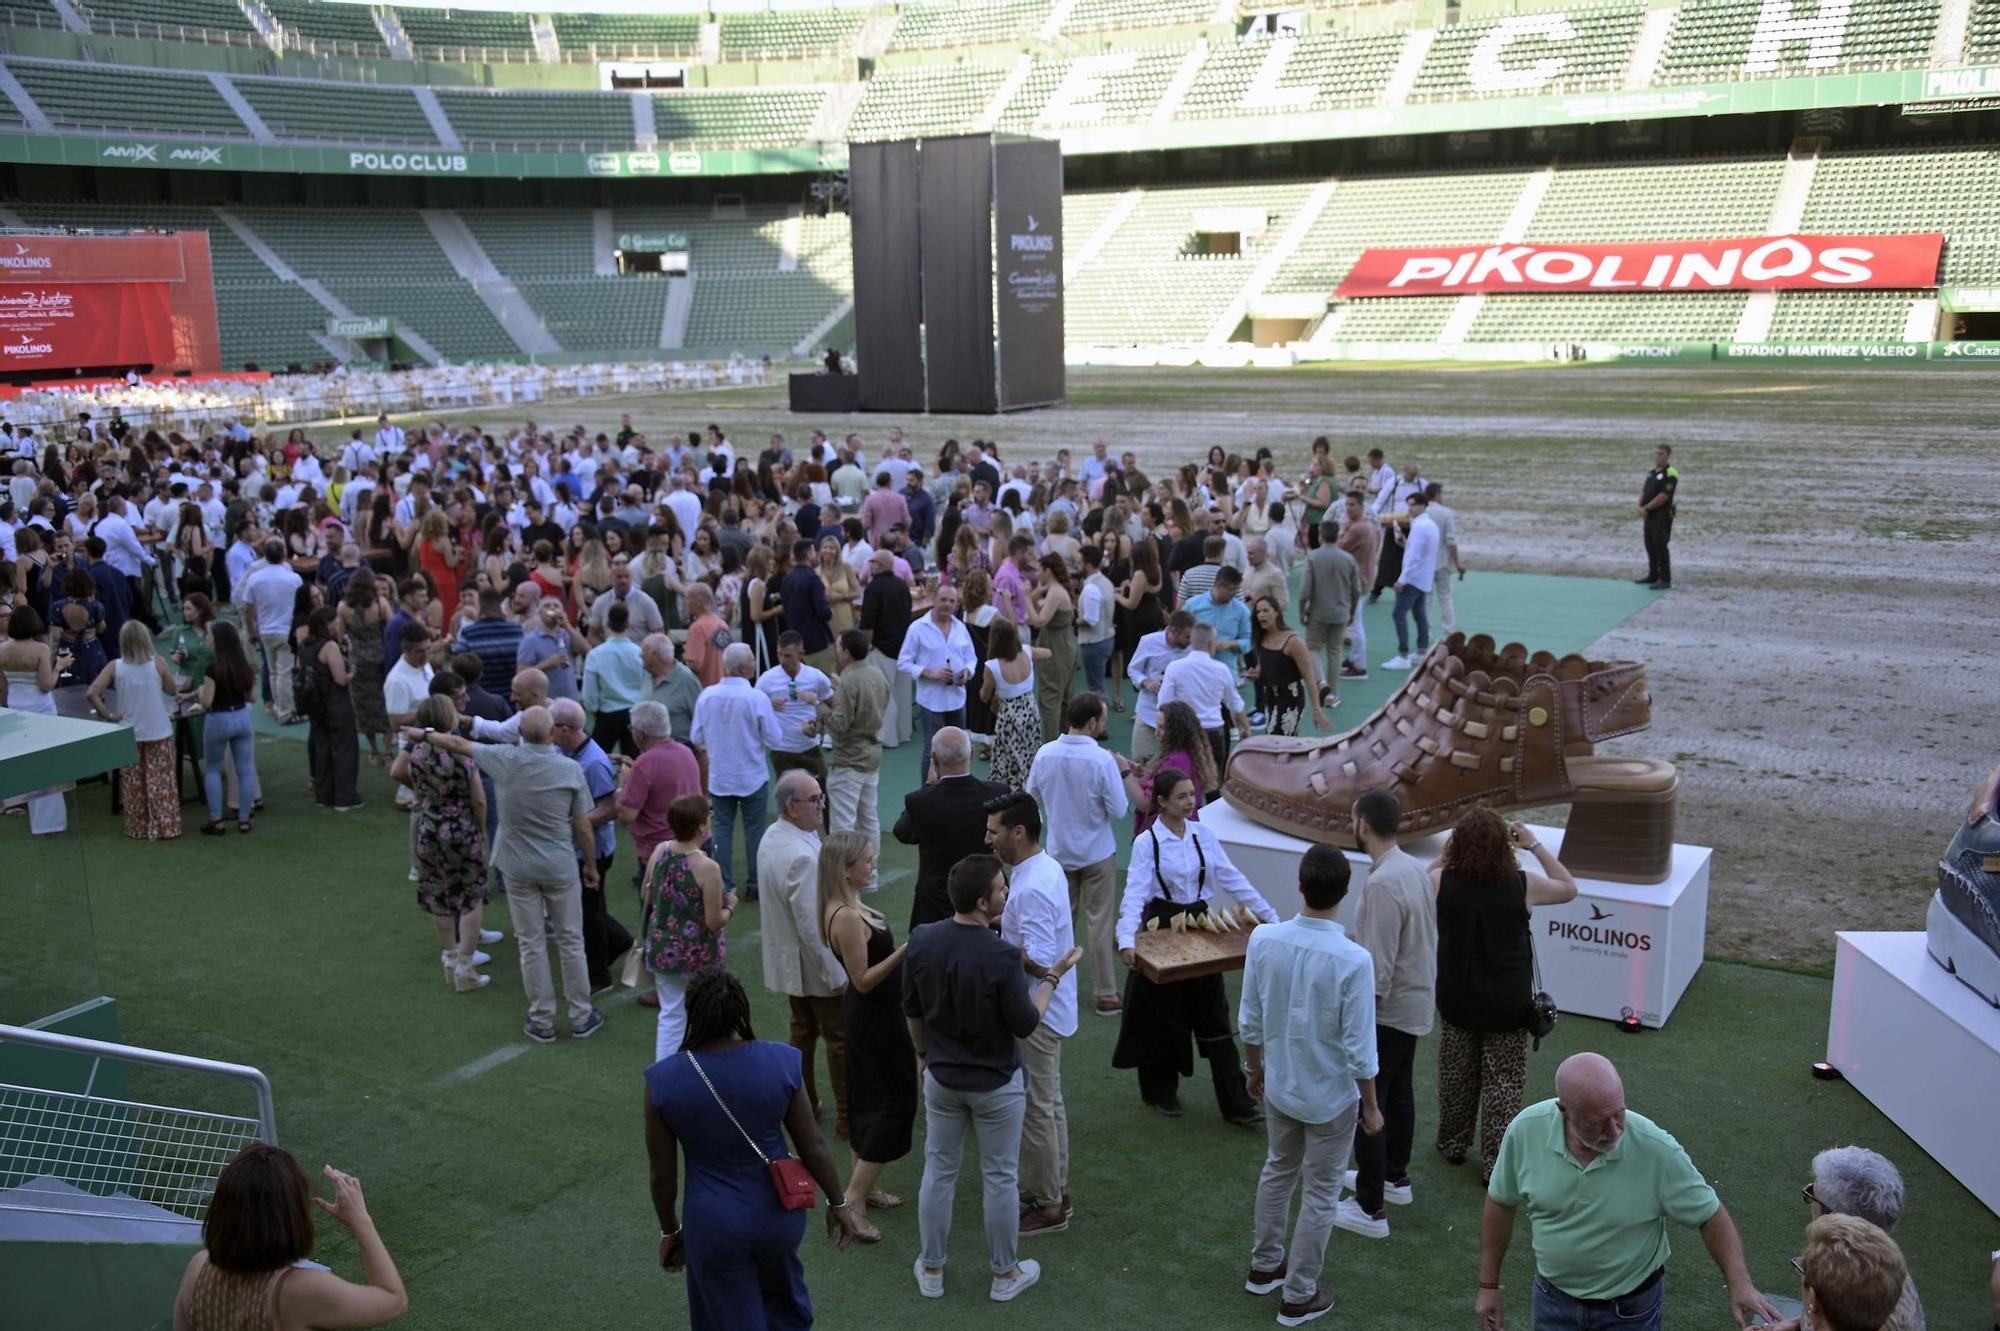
<point>1766,263</point>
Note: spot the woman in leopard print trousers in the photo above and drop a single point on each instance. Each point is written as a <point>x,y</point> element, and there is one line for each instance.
<point>1486,976</point>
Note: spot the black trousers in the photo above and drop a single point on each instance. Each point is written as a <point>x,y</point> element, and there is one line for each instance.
<point>1218,745</point>
<point>604,938</point>
<point>1659,533</point>
<point>1385,1156</point>
<point>1154,1028</point>
<point>1388,564</point>
<point>613,730</point>
<point>334,752</point>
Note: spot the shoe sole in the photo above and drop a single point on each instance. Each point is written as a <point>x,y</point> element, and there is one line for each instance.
<point>550,1038</point>
<point>1302,1318</point>
<point>1252,1287</point>
<point>925,1289</point>
<point>1057,1228</point>
<point>1960,951</point>
<point>1013,1291</point>
<point>586,1032</point>
<point>1356,1230</point>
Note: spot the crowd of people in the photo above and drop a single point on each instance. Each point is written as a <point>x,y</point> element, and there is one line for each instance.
<point>548,638</point>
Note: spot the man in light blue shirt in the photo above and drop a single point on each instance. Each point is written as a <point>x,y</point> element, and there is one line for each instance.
<point>1224,611</point>
<point>614,678</point>
<point>1308,1025</point>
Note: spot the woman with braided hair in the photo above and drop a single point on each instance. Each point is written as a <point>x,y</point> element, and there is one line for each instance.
<point>733,1099</point>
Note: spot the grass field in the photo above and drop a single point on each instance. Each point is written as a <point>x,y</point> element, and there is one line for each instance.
<point>509,1180</point>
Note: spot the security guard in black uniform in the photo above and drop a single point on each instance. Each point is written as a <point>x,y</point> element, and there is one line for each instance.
<point>1656,506</point>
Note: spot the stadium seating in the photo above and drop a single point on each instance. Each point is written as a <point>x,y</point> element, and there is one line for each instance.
<point>1128,93</point>
<point>1711,41</point>
<point>1595,58</point>
<point>1982,38</point>
<point>29,14</point>
<point>952,24</point>
<point>1454,208</point>
<point>742,301</point>
<point>337,113</point>
<point>1340,70</point>
<point>1096,15</point>
<point>1953,190</point>
<point>131,99</point>
<point>760,117</point>
<point>208,15</point>
<point>1690,316</point>
<point>454,30</point>
<point>1631,201</point>
<point>1840,316</point>
<point>644,33</point>
<point>782,33</point>
<point>926,99</point>
<point>493,118</point>
<point>320,21</point>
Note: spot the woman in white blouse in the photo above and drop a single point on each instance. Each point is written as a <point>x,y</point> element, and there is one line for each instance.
<point>1179,868</point>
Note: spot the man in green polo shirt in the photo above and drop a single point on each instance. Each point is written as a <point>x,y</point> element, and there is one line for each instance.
<point>1600,1185</point>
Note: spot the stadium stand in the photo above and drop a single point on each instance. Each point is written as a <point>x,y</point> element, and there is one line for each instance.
<point>1825,316</point>
<point>118,97</point>
<point>935,25</point>
<point>455,31</point>
<point>195,15</point>
<point>320,22</point>
<point>1625,201</point>
<point>743,301</point>
<point>1711,41</point>
<point>1594,57</point>
<point>760,117</point>
<point>785,33</point>
<point>1689,316</point>
<point>1329,69</point>
<point>1124,87</point>
<point>293,109</point>
<point>612,34</point>
<point>29,13</point>
<point>1982,36</point>
<point>548,254</point>
<point>1955,190</point>
<point>924,99</point>
<point>1097,15</point>
<point>1448,209</point>
<point>494,118</point>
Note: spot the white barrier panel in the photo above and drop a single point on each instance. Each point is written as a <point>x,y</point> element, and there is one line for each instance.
<point>1619,949</point>
<point>1923,1048</point>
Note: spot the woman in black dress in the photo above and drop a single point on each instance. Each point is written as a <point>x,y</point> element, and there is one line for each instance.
<point>1287,680</point>
<point>881,1061</point>
<point>1117,571</point>
<point>1143,598</point>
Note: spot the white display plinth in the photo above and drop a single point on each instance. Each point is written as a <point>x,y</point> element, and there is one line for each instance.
<point>1922,1047</point>
<point>1619,949</point>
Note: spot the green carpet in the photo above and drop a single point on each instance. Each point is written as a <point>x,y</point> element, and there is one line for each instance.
<point>509,1180</point>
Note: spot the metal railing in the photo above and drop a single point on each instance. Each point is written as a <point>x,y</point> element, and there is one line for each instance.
<point>107,1148</point>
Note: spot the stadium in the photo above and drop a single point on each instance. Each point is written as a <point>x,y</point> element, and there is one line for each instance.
<point>1520,241</point>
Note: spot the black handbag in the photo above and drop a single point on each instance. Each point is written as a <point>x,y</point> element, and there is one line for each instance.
<point>1541,1007</point>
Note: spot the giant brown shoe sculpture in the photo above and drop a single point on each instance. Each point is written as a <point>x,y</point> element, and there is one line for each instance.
<point>1472,725</point>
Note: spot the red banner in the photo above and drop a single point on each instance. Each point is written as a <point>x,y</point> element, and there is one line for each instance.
<point>1766,263</point>
<point>58,326</point>
<point>141,257</point>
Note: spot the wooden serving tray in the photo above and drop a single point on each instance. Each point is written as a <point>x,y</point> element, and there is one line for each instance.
<point>1165,956</point>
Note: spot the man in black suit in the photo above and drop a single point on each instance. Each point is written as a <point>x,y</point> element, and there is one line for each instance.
<point>946,820</point>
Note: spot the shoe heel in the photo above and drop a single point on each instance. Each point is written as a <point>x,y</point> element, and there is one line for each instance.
<point>1620,836</point>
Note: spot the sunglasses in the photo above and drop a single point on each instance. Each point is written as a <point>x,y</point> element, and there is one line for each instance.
<point>1812,1198</point>
<point>1799,1266</point>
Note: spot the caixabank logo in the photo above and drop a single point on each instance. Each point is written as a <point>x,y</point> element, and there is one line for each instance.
<point>1599,933</point>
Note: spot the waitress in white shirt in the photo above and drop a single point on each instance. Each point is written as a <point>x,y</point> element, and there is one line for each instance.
<point>1179,868</point>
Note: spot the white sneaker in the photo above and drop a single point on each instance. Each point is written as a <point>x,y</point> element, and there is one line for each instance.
<point>1397,662</point>
<point>930,1284</point>
<point>413,873</point>
<point>1398,1194</point>
<point>488,937</point>
<point>1350,1217</point>
<point>1026,1274</point>
<point>478,958</point>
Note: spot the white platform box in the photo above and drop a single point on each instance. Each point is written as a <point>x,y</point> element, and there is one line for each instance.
<point>1619,949</point>
<point>1922,1047</point>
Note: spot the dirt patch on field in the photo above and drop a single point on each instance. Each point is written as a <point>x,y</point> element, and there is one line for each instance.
<point>1822,668</point>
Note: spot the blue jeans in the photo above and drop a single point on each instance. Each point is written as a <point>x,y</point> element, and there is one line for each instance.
<point>230,736</point>
<point>1096,656</point>
<point>1557,1311</point>
<point>930,723</point>
<point>752,808</point>
<point>1412,601</point>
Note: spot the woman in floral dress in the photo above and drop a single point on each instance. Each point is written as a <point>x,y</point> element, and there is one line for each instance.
<point>451,843</point>
<point>686,913</point>
<point>1008,686</point>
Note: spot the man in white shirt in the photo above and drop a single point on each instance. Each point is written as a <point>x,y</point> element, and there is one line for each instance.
<point>1449,562</point>
<point>1082,785</point>
<point>796,690</point>
<point>1036,919</point>
<point>643,609</point>
<point>388,438</point>
<point>1148,671</point>
<point>1096,467</point>
<point>1208,686</point>
<point>938,654</point>
<point>735,725</point>
<point>357,497</point>
<point>356,453</point>
<point>1381,483</point>
<point>270,589</point>
<point>122,548</point>
<point>1096,626</point>
<point>1413,584</point>
<point>1307,1017</point>
<point>797,961</point>
<point>685,505</point>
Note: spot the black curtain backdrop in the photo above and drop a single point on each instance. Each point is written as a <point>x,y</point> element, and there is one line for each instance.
<point>956,241</point>
<point>1027,209</point>
<point>888,291</point>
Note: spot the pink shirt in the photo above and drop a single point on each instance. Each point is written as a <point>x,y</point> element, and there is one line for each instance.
<point>1010,592</point>
<point>660,775</point>
<point>881,510</point>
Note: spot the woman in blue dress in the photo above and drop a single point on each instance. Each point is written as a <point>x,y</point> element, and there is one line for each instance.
<point>739,1247</point>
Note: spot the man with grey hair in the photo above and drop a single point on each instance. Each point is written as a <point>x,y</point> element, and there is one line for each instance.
<point>604,938</point>
<point>852,720</point>
<point>797,961</point>
<point>669,682</point>
<point>735,725</point>
<point>945,819</point>
<point>545,825</point>
<point>1853,1180</point>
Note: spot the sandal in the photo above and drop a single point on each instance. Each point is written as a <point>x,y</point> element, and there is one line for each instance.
<point>242,825</point>
<point>1117,706</point>
<point>879,1200</point>
<point>213,827</point>
<point>865,1232</point>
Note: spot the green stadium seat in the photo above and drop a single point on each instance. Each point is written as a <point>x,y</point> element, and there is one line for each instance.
<point>101,96</point>
<point>779,34</point>
<point>1687,316</point>
<point>203,15</point>
<point>1594,58</point>
<point>1953,189</point>
<point>319,21</point>
<point>1341,70</point>
<point>1710,42</point>
<point>1634,201</point>
<point>927,99</point>
<point>628,35</point>
<point>1102,15</point>
<point>742,302</point>
<point>1452,208</point>
<point>493,118</point>
<point>1982,37</point>
<point>954,24</point>
<point>1127,95</point>
<point>449,32</point>
<point>1840,316</point>
<point>763,117</point>
<point>337,112</point>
